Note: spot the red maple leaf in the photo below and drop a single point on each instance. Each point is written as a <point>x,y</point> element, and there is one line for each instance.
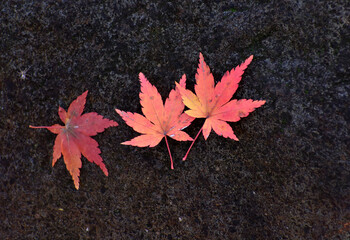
<point>213,103</point>
<point>74,139</point>
<point>160,120</point>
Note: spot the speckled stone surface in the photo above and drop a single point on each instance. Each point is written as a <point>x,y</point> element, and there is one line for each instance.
<point>288,176</point>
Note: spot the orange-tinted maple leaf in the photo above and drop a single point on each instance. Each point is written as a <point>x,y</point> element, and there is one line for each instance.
<point>213,103</point>
<point>74,139</point>
<point>160,120</point>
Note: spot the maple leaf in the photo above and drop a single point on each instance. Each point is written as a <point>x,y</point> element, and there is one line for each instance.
<point>74,139</point>
<point>160,120</point>
<point>213,103</point>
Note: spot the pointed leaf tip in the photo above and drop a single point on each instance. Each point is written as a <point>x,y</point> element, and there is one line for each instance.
<point>183,81</point>
<point>249,60</point>
<point>141,76</point>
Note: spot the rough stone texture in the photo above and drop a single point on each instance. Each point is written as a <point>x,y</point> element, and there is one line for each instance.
<point>288,176</point>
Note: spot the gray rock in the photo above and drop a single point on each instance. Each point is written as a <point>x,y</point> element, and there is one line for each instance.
<point>288,176</point>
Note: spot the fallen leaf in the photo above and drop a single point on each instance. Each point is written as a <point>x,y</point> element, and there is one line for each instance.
<point>74,139</point>
<point>213,103</point>
<point>159,121</point>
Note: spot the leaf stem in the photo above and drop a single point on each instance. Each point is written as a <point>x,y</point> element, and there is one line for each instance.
<point>171,159</point>
<point>38,126</point>
<point>184,158</point>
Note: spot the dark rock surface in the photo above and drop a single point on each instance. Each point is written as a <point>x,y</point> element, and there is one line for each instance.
<point>288,176</point>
